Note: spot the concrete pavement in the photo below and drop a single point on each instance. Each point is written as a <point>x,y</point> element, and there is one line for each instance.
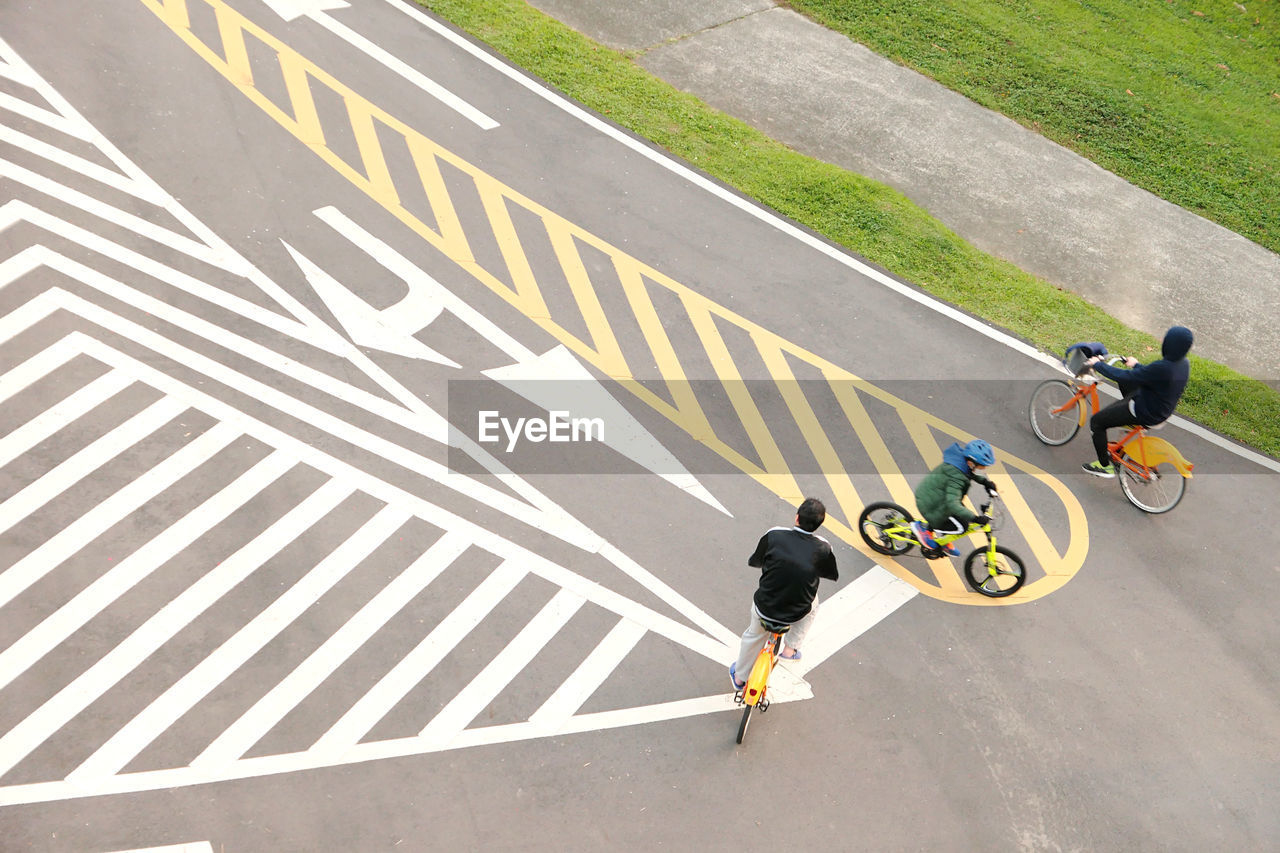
<point>1003,188</point>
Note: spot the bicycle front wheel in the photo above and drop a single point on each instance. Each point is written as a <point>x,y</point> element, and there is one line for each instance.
<point>1154,490</point>
<point>746,721</point>
<point>1049,425</point>
<point>878,517</point>
<point>995,578</point>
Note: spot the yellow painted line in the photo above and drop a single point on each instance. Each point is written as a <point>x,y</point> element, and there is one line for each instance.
<point>453,238</point>
<point>688,411</point>
<point>521,289</point>
<point>776,476</point>
<point>525,293</point>
<point>900,491</point>
<point>823,450</point>
<point>234,49</point>
<point>379,185</point>
<point>609,354</point>
<point>306,120</point>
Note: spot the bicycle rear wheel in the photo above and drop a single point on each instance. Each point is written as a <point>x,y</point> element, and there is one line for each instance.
<point>1049,427</point>
<point>878,517</point>
<point>995,578</point>
<point>746,721</point>
<point>1155,490</point>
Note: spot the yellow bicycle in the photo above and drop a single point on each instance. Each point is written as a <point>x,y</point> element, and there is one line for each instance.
<point>754,693</point>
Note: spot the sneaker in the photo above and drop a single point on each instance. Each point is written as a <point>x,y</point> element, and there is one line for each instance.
<point>789,653</point>
<point>733,676</point>
<point>1097,469</point>
<point>922,533</point>
<point>950,550</point>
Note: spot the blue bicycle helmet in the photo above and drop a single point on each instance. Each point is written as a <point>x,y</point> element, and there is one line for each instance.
<point>980,452</point>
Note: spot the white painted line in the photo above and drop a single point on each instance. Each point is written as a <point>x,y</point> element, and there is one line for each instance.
<point>252,768</point>
<point>588,677</point>
<point>290,9</point>
<point>754,209</point>
<point>536,509</point>
<point>504,667</point>
<point>388,493</point>
<point>38,256</point>
<point>16,73</point>
<point>56,298</point>
<point>58,416</point>
<point>240,737</point>
<point>48,118</point>
<point>101,518</point>
<point>426,297</point>
<point>850,612</point>
<point>715,646</point>
<point>219,665</point>
<point>89,169</point>
<point>84,690</point>
<point>87,460</point>
<point>359,318</point>
<point>577,391</point>
<point>553,518</point>
<point>52,299</point>
<point>189,847</point>
<point>93,599</point>
<point>37,366</point>
<point>218,251</point>
<point>416,665</point>
<point>103,210</point>
<point>32,257</point>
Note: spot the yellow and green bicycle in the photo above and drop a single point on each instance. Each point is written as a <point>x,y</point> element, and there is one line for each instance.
<point>993,571</point>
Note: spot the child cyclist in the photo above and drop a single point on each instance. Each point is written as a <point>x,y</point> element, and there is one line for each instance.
<point>939,493</point>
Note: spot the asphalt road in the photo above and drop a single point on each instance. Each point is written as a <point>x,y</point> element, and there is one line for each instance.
<point>258,275</point>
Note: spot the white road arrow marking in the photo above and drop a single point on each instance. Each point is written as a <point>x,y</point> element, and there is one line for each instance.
<point>557,381</point>
<point>315,10</point>
<point>290,9</point>
<point>425,300</point>
<point>360,320</point>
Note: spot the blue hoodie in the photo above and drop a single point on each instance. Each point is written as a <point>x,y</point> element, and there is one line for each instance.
<point>1154,389</point>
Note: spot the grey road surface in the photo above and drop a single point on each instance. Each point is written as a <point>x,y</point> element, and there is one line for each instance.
<point>250,598</point>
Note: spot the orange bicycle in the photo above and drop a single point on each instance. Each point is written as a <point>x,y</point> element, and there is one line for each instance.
<point>754,693</point>
<point>1153,474</point>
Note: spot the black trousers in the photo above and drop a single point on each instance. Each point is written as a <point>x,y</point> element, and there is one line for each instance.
<point>1115,415</point>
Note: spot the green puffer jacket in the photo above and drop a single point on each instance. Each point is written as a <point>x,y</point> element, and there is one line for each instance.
<point>939,493</point>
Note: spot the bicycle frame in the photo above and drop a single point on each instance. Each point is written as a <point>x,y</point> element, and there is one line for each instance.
<point>758,681</point>
<point>1137,451</point>
<point>1143,452</point>
<point>904,533</point>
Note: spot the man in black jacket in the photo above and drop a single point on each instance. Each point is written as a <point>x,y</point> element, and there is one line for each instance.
<point>1151,392</point>
<point>791,561</point>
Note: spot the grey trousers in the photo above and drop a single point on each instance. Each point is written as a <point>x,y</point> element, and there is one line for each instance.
<point>753,639</point>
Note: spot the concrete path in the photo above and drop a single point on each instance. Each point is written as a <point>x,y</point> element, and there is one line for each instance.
<point>1003,188</point>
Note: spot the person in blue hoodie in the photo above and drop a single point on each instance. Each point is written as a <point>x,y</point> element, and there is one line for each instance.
<point>1150,393</point>
<point>939,493</point>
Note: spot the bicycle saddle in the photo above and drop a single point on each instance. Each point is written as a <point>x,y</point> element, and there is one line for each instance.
<point>774,627</point>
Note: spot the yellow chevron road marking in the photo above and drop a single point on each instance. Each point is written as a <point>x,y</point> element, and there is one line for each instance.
<point>706,322</point>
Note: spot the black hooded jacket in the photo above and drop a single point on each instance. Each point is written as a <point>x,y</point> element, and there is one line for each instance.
<point>1155,388</point>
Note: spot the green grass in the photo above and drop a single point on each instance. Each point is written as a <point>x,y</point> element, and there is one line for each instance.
<point>1180,98</point>
<point>869,218</point>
